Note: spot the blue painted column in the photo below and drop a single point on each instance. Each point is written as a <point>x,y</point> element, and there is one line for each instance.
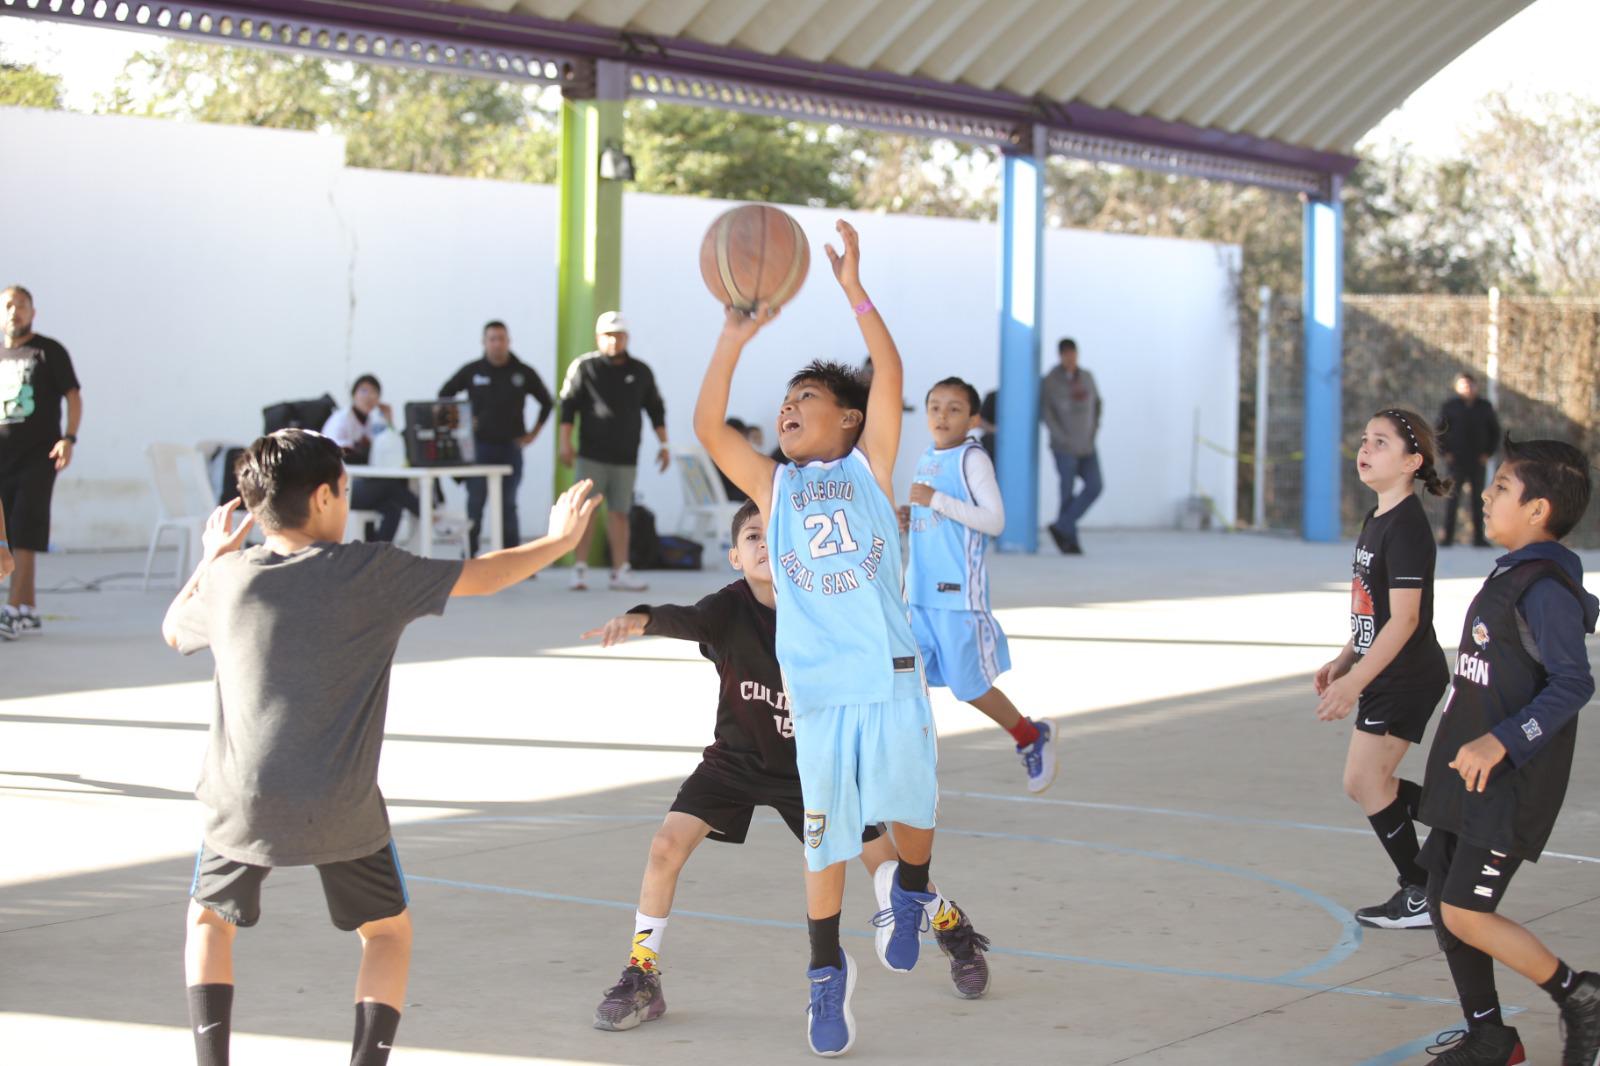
<point>1323,429</point>
<point>1021,285</point>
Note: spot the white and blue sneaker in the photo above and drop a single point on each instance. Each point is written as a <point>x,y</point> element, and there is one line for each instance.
<point>1039,758</point>
<point>830,1027</point>
<point>901,920</point>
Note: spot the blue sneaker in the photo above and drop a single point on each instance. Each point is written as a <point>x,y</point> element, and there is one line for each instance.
<point>901,919</point>
<point>830,1027</point>
<point>1039,758</point>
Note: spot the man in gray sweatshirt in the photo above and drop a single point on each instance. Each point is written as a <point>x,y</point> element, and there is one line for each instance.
<point>1070,405</point>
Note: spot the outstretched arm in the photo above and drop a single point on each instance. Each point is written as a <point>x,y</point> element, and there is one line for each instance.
<point>880,439</point>
<point>728,448</point>
<point>488,574</point>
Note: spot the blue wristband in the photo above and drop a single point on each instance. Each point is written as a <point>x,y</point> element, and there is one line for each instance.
<point>4,543</point>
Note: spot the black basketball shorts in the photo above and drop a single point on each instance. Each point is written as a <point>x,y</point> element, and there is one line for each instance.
<point>358,891</point>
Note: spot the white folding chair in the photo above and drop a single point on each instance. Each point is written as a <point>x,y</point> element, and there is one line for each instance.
<point>707,513</point>
<point>183,489</point>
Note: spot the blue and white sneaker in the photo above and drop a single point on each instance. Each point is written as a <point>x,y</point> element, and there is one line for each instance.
<point>830,1027</point>
<point>1039,758</point>
<point>901,919</point>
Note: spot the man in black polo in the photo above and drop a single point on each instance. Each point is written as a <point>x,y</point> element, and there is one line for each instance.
<point>603,393</point>
<point>1469,433</point>
<point>498,386</point>
<point>35,377</point>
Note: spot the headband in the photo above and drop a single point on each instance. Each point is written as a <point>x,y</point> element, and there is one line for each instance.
<point>1399,418</point>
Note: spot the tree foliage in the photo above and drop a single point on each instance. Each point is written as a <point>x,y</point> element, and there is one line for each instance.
<point>25,86</point>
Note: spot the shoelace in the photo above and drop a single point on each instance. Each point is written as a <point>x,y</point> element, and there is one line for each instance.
<point>1446,1040</point>
<point>1033,760</point>
<point>830,1004</point>
<point>886,917</point>
<point>632,980</point>
<point>963,942</point>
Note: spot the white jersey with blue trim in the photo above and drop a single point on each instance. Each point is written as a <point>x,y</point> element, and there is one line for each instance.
<point>844,632</point>
<point>947,568</point>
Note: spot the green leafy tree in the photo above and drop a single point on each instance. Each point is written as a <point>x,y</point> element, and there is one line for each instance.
<point>26,86</point>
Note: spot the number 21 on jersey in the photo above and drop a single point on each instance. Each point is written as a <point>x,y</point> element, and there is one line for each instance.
<point>823,540</point>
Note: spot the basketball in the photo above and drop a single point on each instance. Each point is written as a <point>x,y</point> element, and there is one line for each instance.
<point>752,254</point>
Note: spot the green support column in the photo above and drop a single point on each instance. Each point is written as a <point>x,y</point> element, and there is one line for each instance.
<point>589,256</point>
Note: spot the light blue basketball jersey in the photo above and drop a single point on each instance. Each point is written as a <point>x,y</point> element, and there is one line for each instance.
<point>947,558</point>
<point>844,633</point>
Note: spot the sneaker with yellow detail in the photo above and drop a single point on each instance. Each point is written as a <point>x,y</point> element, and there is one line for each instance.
<point>964,945</point>
<point>637,995</point>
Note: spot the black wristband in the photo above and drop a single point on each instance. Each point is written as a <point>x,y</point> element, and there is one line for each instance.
<point>70,438</point>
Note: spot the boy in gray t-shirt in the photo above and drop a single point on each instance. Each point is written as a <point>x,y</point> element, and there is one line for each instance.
<point>303,629</point>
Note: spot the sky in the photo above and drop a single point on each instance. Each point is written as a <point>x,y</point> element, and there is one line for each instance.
<point>1548,47</point>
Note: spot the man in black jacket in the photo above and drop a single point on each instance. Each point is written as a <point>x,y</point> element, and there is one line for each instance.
<point>498,386</point>
<point>1469,433</point>
<point>601,397</point>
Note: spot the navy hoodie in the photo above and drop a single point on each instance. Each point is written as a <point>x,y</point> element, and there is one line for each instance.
<point>1556,622</point>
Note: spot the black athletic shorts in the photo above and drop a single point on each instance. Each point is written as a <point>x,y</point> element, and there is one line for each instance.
<point>1403,714</point>
<point>25,492</point>
<point>726,804</point>
<point>358,891</point>
<point>1465,875</point>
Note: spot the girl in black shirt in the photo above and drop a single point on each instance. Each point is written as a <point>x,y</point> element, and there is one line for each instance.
<point>1392,671</point>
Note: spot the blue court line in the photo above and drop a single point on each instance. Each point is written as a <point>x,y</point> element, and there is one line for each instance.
<point>1204,816</point>
<point>775,923</point>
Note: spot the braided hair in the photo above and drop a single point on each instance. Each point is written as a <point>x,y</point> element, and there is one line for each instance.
<point>1420,440</point>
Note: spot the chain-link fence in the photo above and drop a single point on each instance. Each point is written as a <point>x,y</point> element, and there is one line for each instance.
<point>1405,351</point>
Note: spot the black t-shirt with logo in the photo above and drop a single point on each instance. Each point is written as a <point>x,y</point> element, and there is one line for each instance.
<point>35,377</point>
<point>604,397</point>
<point>498,397</point>
<point>737,632</point>
<point>1395,550</point>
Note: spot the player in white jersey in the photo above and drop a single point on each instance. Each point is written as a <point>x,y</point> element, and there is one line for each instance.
<point>955,508</point>
<point>864,735</point>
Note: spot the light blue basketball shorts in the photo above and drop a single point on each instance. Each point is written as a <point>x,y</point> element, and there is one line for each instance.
<point>963,651</point>
<point>862,763</point>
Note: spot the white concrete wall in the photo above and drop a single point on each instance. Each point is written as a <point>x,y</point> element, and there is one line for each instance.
<point>198,273</point>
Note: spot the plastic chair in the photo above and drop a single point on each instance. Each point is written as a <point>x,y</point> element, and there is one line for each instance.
<point>707,514</point>
<point>183,489</point>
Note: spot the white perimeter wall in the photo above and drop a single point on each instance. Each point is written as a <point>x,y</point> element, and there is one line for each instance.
<point>198,273</point>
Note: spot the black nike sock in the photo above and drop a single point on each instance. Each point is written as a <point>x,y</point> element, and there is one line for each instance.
<point>1398,835</point>
<point>1561,983</point>
<point>1473,974</point>
<point>211,1018</point>
<point>1411,796</point>
<point>824,933</point>
<point>376,1024</point>
<point>913,877</point>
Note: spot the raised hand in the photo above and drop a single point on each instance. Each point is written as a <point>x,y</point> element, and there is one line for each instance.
<point>741,326</point>
<point>846,265</point>
<point>618,629</point>
<point>570,514</point>
<point>218,539</point>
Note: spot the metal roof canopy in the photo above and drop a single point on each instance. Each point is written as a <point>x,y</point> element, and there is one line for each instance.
<point>1263,92</point>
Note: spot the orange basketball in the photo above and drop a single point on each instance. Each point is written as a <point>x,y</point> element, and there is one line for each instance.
<point>752,254</point>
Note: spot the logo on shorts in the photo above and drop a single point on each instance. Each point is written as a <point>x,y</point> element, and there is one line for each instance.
<point>816,825</point>
<point>1480,633</point>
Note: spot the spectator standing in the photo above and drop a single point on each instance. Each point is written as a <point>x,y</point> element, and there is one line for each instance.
<point>1070,406</point>
<point>498,386</point>
<point>601,398</point>
<point>989,421</point>
<point>1469,434</point>
<point>36,377</point>
<point>353,428</point>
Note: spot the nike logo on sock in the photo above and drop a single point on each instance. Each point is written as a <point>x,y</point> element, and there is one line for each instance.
<point>1482,1013</point>
<point>1391,836</point>
<point>204,1029</point>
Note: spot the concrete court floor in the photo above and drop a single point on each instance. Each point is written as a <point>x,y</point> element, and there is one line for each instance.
<point>1181,896</point>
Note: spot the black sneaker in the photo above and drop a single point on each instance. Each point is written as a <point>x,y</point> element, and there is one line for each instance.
<point>969,970</point>
<point>1073,547</point>
<point>635,998</point>
<point>1580,1023</point>
<point>8,627</point>
<point>1482,1045</point>
<point>1406,909</point>
<point>1061,541</point>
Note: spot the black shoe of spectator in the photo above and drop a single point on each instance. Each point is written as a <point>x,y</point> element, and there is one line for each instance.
<point>1061,541</point>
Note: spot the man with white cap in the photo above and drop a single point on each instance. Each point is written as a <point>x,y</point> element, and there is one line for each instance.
<point>603,393</point>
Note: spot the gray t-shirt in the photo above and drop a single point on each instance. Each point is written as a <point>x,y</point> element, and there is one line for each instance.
<point>303,645</point>
<point>1070,407</point>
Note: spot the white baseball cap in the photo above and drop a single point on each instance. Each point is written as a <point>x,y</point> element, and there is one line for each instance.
<point>611,322</point>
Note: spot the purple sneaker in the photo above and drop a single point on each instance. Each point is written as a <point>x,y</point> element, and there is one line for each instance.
<point>964,945</point>
<point>633,999</point>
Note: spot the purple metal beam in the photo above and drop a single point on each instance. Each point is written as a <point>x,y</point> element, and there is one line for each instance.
<point>783,72</point>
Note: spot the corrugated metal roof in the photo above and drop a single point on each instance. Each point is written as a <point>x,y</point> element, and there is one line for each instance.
<point>1315,74</point>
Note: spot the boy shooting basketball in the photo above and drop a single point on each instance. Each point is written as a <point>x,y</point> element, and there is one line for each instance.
<point>866,747</point>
